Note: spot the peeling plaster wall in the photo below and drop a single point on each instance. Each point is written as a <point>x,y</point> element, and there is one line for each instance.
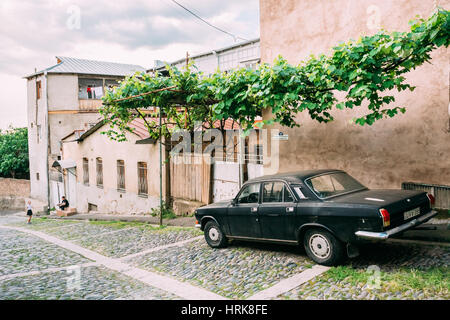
<point>108,199</point>
<point>414,146</point>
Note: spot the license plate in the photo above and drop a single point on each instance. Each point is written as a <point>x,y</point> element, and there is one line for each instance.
<point>411,213</point>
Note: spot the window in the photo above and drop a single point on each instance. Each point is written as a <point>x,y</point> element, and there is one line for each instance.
<point>99,166</point>
<point>90,88</point>
<point>276,192</point>
<point>121,175</point>
<point>333,184</point>
<point>299,191</point>
<point>142,179</point>
<point>287,196</point>
<point>250,194</point>
<point>273,192</point>
<point>38,90</point>
<point>86,171</point>
<point>37,176</point>
<point>109,84</point>
<point>259,153</point>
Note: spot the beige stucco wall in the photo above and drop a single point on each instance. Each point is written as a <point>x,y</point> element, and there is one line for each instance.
<point>414,146</point>
<point>14,187</point>
<point>62,92</point>
<point>108,199</point>
<point>62,118</point>
<point>37,148</point>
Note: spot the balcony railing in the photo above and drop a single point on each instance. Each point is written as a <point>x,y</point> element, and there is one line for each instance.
<point>89,104</point>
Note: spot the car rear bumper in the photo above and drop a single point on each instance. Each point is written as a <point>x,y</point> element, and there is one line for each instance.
<point>386,234</point>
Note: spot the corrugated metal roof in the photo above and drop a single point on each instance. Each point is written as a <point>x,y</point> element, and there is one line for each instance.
<point>217,51</point>
<point>91,67</point>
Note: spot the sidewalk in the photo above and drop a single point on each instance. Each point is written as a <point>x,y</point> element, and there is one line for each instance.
<point>181,221</point>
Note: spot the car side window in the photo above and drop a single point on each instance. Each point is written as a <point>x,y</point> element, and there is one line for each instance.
<point>287,196</point>
<point>250,194</point>
<point>276,192</point>
<point>298,190</point>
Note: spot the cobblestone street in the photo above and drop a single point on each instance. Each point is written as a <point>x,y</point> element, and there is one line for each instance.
<point>69,259</point>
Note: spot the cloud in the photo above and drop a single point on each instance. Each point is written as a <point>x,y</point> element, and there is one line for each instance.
<point>32,29</point>
<point>33,32</point>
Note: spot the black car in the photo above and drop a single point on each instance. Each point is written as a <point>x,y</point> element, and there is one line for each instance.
<point>327,211</point>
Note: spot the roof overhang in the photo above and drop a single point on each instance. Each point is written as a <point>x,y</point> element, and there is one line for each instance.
<point>146,141</point>
<point>64,164</point>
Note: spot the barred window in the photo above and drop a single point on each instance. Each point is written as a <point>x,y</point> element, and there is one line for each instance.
<point>142,179</point>
<point>121,175</point>
<point>99,166</point>
<point>86,171</point>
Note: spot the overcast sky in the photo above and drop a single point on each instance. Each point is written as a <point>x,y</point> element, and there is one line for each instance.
<point>33,32</point>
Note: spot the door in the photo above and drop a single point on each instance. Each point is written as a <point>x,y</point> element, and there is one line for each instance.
<point>243,216</point>
<point>72,187</point>
<point>277,211</point>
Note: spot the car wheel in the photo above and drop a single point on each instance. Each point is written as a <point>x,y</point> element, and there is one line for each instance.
<point>214,235</point>
<point>322,247</point>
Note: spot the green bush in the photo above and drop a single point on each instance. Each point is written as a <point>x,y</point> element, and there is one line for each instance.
<point>14,160</point>
<point>167,212</point>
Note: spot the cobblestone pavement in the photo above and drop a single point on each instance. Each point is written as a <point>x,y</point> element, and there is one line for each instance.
<point>32,268</point>
<point>384,271</point>
<point>91,283</point>
<point>235,272</point>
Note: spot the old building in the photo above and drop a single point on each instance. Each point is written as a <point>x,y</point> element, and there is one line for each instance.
<point>104,175</point>
<point>414,146</point>
<point>63,98</point>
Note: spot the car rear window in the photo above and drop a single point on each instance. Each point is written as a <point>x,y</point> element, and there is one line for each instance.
<point>333,184</point>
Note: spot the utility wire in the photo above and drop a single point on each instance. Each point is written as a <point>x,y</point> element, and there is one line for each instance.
<point>209,24</point>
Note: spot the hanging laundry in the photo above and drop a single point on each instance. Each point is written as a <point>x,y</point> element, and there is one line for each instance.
<point>98,92</point>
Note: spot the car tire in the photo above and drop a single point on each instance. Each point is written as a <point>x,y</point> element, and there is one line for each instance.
<point>214,236</point>
<point>323,247</point>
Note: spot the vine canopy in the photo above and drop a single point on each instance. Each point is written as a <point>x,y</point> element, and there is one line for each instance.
<point>367,71</point>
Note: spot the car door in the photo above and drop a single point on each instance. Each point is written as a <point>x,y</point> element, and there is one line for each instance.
<point>243,215</point>
<point>276,211</point>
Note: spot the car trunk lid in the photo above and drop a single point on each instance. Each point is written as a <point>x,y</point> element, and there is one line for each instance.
<point>396,202</point>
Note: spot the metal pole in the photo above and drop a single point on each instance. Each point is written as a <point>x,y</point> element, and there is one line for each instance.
<point>48,149</point>
<point>160,171</point>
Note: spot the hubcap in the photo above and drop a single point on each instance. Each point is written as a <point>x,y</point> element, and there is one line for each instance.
<point>213,234</point>
<point>319,246</point>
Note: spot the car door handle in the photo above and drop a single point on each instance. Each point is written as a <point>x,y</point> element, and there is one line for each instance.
<point>254,209</point>
<point>272,214</point>
<point>290,209</point>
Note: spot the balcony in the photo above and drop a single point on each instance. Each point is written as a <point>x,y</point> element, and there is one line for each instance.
<point>89,105</point>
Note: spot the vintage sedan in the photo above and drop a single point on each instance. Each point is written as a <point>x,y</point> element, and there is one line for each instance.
<point>326,211</point>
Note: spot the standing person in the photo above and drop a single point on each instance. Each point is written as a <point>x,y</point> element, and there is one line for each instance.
<point>29,212</point>
<point>64,203</point>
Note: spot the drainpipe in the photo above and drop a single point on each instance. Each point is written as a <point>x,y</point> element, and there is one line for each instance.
<point>47,125</point>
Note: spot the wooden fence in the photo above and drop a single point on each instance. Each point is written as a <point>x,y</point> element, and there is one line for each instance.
<point>190,178</point>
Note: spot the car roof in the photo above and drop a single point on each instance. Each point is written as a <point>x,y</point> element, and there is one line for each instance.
<point>295,176</point>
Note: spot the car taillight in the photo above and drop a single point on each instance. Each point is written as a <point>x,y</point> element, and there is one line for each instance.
<point>386,217</point>
<point>431,198</point>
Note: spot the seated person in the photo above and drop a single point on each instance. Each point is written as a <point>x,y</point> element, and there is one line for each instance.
<point>64,204</point>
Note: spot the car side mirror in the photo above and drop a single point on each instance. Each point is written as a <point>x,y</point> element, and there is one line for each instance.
<point>233,202</point>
